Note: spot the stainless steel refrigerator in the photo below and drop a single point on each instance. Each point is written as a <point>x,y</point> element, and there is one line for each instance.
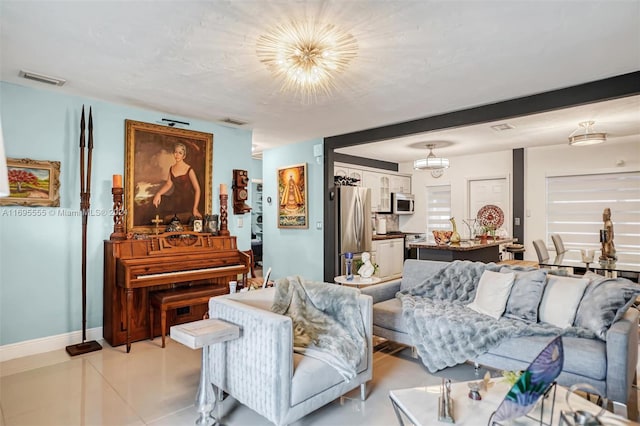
<point>353,223</point>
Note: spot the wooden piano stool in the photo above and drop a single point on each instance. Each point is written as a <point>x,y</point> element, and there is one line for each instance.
<point>177,298</point>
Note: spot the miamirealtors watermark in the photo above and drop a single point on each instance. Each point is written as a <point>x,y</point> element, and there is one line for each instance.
<point>31,212</point>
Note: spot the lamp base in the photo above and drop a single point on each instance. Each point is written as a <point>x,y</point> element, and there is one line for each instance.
<point>83,348</point>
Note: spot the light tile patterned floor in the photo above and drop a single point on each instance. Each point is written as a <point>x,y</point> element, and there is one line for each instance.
<point>152,386</point>
<point>155,386</point>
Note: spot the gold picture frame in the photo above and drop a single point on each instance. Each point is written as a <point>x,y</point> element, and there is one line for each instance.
<point>292,197</point>
<point>149,152</point>
<point>32,183</point>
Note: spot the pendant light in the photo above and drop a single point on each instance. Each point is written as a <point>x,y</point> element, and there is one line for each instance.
<point>586,135</point>
<point>431,162</point>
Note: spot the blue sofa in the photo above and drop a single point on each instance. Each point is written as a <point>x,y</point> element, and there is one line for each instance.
<point>609,366</point>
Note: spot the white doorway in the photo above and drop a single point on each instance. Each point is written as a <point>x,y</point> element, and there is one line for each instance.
<point>493,191</point>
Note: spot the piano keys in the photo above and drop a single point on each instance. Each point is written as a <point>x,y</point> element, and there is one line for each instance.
<point>133,268</point>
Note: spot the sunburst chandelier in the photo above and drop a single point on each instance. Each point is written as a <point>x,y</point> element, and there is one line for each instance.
<point>306,56</point>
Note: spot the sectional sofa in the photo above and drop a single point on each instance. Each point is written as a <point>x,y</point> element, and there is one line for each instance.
<point>606,361</point>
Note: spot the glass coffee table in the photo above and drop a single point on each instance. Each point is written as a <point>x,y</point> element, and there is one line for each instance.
<point>420,405</point>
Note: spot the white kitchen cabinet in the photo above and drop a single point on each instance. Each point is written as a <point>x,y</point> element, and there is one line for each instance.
<point>389,255</point>
<point>401,183</point>
<point>340,170</point>
<point>379,183</point>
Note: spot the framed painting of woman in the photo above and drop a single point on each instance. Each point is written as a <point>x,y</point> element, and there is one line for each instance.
<point>292,197</point>
<point>167,174</point>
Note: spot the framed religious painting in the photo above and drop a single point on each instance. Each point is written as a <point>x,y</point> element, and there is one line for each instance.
<point>292,197</point>
<point>167,175</point>
<point>32,183</point>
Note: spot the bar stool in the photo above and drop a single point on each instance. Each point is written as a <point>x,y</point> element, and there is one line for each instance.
<point>513,249</point>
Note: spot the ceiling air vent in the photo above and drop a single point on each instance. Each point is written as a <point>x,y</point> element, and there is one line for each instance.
<point>233,121</point>
<point>42,78</point>
<point>502,127</point>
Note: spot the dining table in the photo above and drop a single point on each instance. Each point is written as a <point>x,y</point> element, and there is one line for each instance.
<point>573,259</point>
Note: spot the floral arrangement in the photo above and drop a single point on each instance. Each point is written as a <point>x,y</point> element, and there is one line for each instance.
<point>357,263</point>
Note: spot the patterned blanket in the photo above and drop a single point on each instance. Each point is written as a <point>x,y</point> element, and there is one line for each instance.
<point>327,323</point>
<point>445,332</point>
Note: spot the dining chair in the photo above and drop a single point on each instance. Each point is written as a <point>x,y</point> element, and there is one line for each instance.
<point>541,251</point>
<point>557,242</point>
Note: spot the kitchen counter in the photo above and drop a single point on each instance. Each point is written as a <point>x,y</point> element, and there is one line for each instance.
<point>466,250</point>
<point>390,236</point>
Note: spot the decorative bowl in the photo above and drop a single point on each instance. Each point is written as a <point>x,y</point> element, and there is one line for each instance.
<point>442,237</point>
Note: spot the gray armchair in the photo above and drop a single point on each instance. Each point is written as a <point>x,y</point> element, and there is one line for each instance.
<point>260,369</point>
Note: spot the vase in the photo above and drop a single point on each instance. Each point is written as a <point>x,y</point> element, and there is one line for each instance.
<point>455,236</point>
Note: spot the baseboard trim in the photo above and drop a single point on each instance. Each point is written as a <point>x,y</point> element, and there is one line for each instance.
<point>46,344</point>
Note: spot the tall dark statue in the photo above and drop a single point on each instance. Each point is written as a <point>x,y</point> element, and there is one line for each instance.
<point>606,238</point>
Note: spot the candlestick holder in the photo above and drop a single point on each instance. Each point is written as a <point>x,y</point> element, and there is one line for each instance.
<point>118,214</point>
<point>223,215</point>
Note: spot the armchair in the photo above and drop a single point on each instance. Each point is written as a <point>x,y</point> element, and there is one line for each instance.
<point>260,369</point>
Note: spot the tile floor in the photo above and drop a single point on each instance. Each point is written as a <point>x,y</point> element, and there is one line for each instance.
<point>155,386</point>
<point>152,386</point>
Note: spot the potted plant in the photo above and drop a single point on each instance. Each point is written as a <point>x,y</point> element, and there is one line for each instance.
<point>357,263</point>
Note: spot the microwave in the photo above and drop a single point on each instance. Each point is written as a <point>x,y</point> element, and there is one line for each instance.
<point>402,203</point>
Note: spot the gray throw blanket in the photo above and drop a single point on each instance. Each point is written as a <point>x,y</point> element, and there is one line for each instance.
<point>327,323</point>
<point>445,332</point>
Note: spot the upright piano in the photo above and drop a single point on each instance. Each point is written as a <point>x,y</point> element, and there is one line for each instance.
<point>135,267</point>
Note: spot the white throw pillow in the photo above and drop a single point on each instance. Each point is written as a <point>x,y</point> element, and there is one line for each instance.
<point>561,299</point>
<point>492,293</point>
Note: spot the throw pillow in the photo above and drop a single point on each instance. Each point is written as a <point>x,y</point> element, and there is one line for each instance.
<point>605,301</point>
<point>560,300</point>
<point>525,295</point>
<point>492,293</point>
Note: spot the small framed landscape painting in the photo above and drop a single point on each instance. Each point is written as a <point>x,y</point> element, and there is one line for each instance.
<point>32,183</point>
<point>292,196</point>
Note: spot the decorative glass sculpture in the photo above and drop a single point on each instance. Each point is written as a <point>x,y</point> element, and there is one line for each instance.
<point>533,383</point>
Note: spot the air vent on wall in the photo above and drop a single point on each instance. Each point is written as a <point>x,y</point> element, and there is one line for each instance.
<point>233,121</point>
<point>42,78</point>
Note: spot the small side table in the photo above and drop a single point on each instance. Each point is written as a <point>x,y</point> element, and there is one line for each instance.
<point>201,334</point>
<point>357,281</point>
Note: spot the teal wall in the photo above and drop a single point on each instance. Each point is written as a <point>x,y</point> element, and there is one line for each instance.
<point>293,251</point>
<point>40,256</point>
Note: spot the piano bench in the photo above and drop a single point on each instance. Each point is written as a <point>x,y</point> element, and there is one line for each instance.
<point>178,298</point>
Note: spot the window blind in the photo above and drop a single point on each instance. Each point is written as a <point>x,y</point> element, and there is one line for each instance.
<point>438,208</point>
<point>575,205</point>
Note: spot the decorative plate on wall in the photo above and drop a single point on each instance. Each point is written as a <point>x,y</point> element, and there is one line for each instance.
<point>491,215</point>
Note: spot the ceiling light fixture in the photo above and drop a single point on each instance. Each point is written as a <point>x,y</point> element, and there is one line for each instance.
<point>431,162</point>
<point>306,56</point>
<point>586,135</point>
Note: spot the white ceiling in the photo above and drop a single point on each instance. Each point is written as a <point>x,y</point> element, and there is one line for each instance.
<point>196,59</point>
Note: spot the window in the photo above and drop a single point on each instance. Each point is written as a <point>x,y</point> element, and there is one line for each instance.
<point>438,208</point>
<point>575,205</point>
